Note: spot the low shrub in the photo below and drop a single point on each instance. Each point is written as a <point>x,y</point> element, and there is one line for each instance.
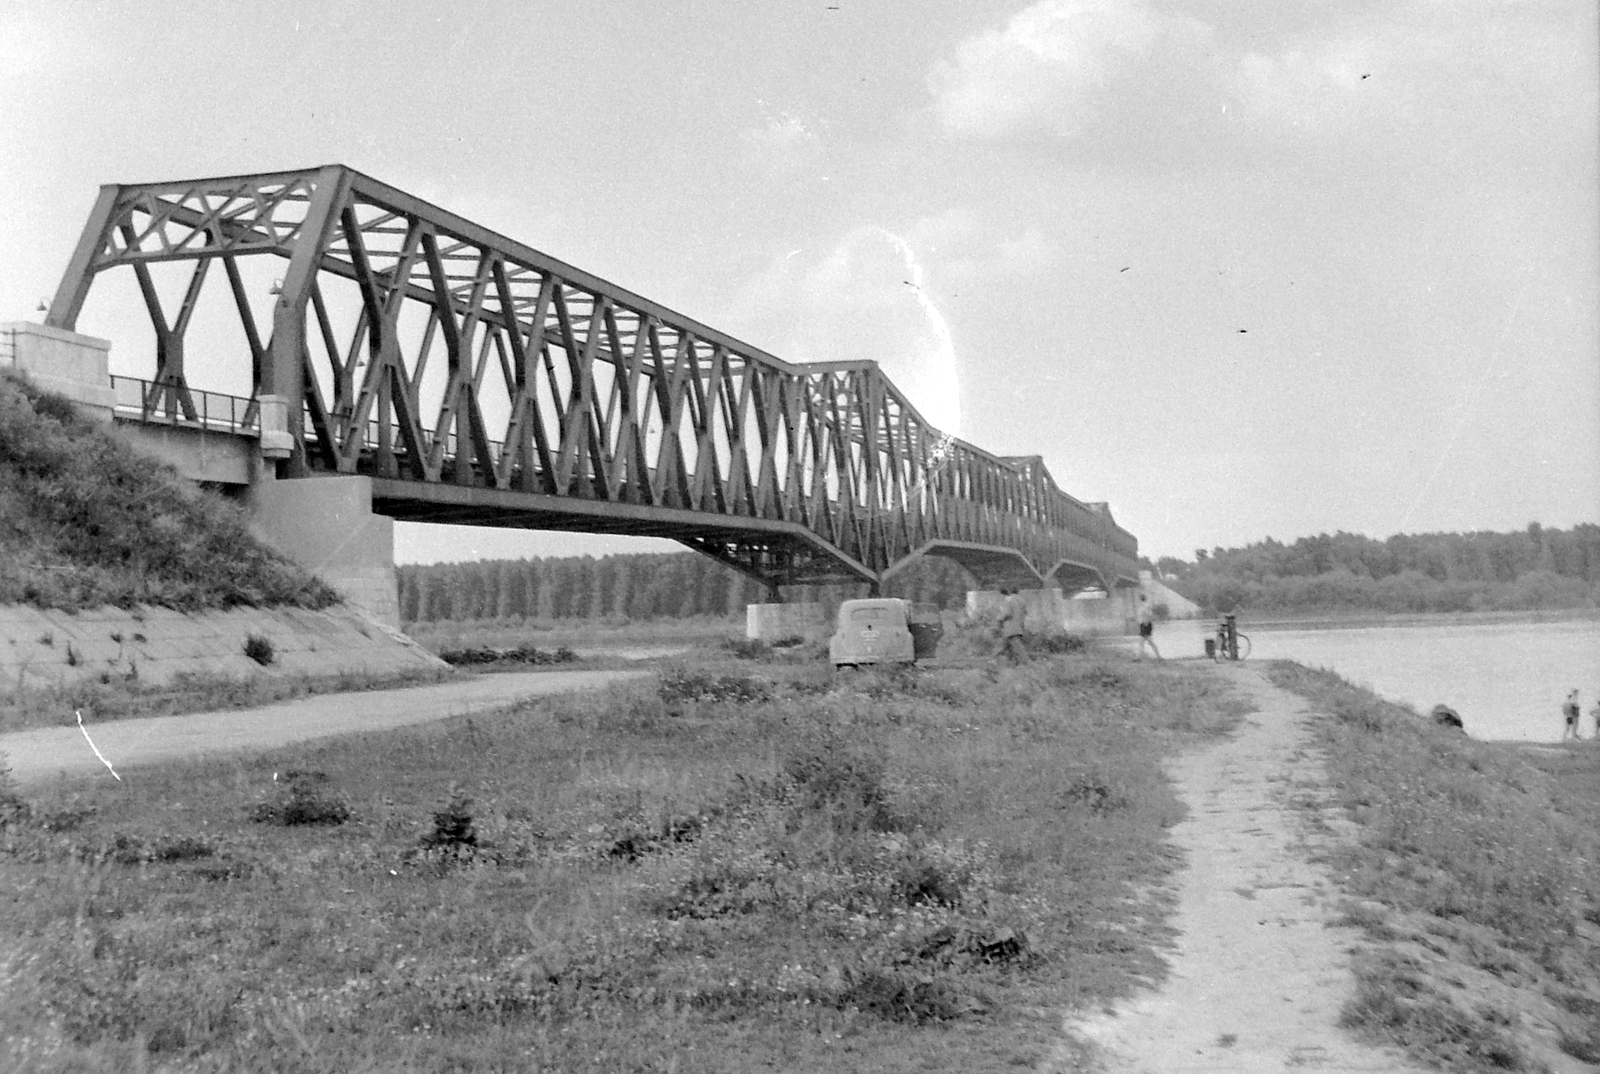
<point>452,824</point>
<point>303,799</point>
<point>259,648</point>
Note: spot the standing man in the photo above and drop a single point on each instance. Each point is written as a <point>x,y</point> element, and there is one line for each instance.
<point>1013,633</point>
<point>1147,627</point>
<point>1569,709</point>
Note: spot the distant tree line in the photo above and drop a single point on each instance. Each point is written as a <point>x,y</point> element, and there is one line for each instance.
<point>650,586</point>
<point>1428,572</point>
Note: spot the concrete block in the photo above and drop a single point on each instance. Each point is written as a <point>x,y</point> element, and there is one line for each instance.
<point>66,363</point>
<point>775,622</point>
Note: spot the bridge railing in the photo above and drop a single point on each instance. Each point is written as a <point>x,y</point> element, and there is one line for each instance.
<point>172,404</point>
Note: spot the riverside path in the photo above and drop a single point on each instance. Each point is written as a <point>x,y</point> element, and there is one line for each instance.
<point>46,753</point>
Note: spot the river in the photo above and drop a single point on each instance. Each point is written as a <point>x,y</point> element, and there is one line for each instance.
<point>1507,679</point>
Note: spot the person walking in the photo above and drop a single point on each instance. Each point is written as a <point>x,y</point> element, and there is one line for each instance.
<point>1013,629</point>
<point>1594,714</point>
<point>1147,627</point>
<point>1570,709</point>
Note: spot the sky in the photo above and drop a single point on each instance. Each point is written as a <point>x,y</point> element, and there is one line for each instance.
<point>1240,270</point>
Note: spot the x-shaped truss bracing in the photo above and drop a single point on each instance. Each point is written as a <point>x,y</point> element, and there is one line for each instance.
<point>478,380</point>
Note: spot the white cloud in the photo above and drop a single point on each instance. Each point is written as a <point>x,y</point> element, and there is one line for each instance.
<point>1048,71</point>
<point>1136,80</point>
<point>784,142</point>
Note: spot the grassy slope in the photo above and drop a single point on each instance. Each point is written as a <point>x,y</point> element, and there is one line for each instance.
<point>1476,870</point>
<point>863,872</point>
<point>84,521</point>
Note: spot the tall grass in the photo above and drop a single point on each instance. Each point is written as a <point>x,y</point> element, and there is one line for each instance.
<point>870,872</point>
<point>89,523</point>
<point>1481,853</point>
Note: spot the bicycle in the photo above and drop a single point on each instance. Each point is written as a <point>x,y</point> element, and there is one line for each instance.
<point>1226,644</point>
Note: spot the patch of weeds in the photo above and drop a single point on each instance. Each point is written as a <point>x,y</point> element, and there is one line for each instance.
<point>680,685</point>
<point>224,870</point>
<point>303,799</point>
<point>903,997</point>
<point>1056,642</point>
<point>1094,795</point>
<point>1395,1001</point>
<point>525,654</point>
<point>634,837</point>
<point>843,777</point>
<point>13,809</point>
<point>125,849</point>
<point>1371,918</point>
<point>258,647</point>
<point>747,648</point>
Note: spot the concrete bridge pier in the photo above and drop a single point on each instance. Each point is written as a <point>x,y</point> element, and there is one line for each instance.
<point>326,525</point>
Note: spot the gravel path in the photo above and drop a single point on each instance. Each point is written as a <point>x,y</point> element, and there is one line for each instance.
<point>40,755</point>
<point>1258,976</point>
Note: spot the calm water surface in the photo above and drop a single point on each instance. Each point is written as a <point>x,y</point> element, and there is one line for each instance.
<point>1506,679</point>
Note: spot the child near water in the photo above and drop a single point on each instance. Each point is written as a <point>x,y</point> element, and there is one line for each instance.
<point>1569,709</point>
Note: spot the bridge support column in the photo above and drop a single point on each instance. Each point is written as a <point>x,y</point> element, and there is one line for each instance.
<point>326,525</point>
<point>779,622</point>
<point>63,362</point>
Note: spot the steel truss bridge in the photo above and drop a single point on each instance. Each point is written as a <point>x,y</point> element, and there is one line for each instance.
<point>476,380</point>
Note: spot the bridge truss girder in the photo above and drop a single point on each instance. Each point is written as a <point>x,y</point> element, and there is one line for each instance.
<point>479,380</point>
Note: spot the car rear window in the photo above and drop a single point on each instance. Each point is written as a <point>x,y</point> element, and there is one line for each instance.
<point>861,614</point>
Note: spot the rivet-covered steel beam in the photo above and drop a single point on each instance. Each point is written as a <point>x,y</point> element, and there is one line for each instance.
<point>486,382</point>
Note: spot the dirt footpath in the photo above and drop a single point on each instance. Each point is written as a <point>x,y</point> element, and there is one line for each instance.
<point>37,756</point>
<point>1258,976</point>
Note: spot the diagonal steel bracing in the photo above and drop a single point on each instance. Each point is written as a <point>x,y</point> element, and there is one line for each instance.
<point>478,380</point>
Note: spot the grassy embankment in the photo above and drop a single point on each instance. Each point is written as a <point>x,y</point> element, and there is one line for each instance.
<point>86,522</point>
<point>1476,872</point>
<point>738,865</point>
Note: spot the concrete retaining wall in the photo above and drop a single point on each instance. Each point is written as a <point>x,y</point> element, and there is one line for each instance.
<point>152,645</point>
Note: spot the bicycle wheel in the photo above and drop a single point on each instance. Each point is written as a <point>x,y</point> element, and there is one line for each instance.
<point>1244,646</point>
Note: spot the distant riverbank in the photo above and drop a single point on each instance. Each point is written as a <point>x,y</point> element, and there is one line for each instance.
<point>1334,620</point>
